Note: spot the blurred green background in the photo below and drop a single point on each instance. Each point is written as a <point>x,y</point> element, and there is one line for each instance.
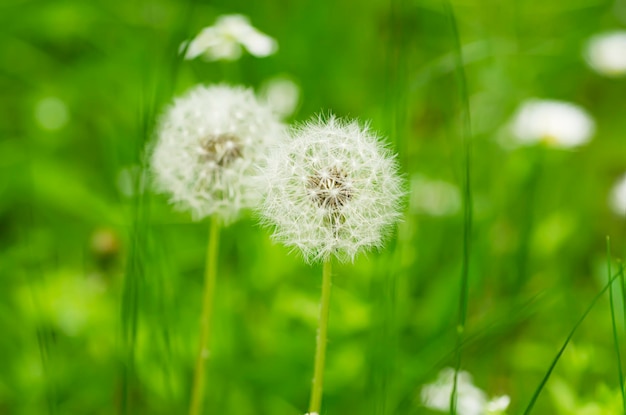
<point>101,279</point>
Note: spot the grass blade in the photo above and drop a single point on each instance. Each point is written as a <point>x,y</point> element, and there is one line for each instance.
<point>543,382</point>
<point>466,134</point>
<point>614,324</point>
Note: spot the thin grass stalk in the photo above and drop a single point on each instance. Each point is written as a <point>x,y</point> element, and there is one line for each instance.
<point>199,380</point>
<point>466,132</point>
<point>623,287</point>
<point>527,226</point>
<point>543,382</point>
<point>614,325</point>
<point>320,347</point>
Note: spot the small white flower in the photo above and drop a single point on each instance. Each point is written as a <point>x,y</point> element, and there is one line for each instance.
<point>557,123</point>
<point>208,144</point>
<point>281,94</point>
<point>434,197</point>
<point>470,399</point>
<point>223,40</point>
<point>618,197</point>
<point>332,190</point>
<point>606,53</point>
<point>497,405</point>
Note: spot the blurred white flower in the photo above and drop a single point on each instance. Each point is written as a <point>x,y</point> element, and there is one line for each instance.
<point>606,53</point>
<point>618,196</point>
<point>223,40</point>
<point>433,197</point>
<point>557,123</point>
<point>207,148</point>
<point>332,190</point>
<point>497,405</point>
<point>281,94</point>
<point>470,399</point>
<point>51,113</point>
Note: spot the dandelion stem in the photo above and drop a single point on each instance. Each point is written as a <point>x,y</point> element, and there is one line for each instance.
<point>197,391</point>
<point>320,348</point>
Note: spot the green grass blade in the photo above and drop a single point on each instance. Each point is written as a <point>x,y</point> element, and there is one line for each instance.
<point>614,324</point>
<point>543,382</point>
<point>466,134</point>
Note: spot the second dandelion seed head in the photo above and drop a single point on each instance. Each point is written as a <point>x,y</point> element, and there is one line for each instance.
<point>332,190</point>
<point>208,145</point>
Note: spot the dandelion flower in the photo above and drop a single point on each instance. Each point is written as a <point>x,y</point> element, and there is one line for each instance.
<point>559,124</point>
<point>224,40</point>
<point>207,148</point>
<point>606,53</point>
<point>470,399</point>
<point>332,190</point>
<point>618,197</point>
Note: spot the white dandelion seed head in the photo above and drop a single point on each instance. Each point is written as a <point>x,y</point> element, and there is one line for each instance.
<point>606,53</point>
<point>333,189</point>
<point>224,40</point>
<point>618,197</point>
<point>208,145</point>
<point>557,123</point>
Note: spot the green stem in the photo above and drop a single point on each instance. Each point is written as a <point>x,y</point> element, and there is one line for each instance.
<point>197,391</point>
<point>614,324</point>
<point>320,348</point>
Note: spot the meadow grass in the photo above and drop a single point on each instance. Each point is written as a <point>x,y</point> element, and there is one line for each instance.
<point>490,288</point>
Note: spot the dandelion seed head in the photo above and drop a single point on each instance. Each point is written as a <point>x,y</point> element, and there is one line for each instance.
<point>556,123</point>
<point>207,147</point>
<point>333,189</point>
<point>606,53</point>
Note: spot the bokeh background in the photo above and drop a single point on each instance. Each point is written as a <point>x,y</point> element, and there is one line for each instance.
<point>100,279</point>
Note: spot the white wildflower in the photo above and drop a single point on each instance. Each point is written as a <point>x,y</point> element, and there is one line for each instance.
<point>434,197</point>
<point>281,94</point>
<point>208,144</point>
<point>606,53</point>
<point>618,197</point>
<point>557,123</point>
<point>497,405</point>
<point>333,189</point>
<point>470,399</point>
<point>223,40</point>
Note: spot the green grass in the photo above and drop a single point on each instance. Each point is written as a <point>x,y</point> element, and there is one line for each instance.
<point>492,289</point>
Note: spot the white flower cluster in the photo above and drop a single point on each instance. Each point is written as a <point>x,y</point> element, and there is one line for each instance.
<point>332,190</point>
<point>556,123</point>
<point>208,145</point>
<point>224,40</point>
<point>470,399</point>
<point>606,53</point>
